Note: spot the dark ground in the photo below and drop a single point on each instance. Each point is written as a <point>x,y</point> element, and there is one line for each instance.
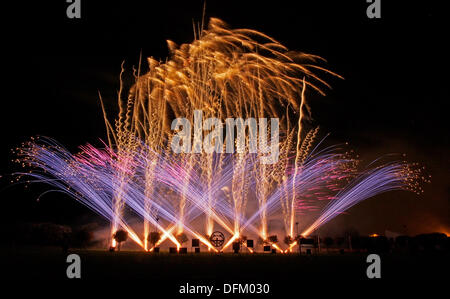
<point>174,269</point>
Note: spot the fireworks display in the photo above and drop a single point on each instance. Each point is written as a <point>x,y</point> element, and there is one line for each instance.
<point>226,74</point>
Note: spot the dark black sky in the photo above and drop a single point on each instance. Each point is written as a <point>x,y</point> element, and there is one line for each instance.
<point>393,99</point>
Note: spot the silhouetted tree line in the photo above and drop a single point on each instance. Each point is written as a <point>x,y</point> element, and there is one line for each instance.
<point>49,234</point>
<point>433,242</point>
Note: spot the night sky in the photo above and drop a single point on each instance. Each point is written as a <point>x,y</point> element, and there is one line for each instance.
<point>393,99</point>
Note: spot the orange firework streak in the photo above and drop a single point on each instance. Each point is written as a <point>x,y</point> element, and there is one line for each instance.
<point>230,241</point>
<point>168,234</point>
<point>248,248</point>
<point>135,238</point>
<point>290,247</point>
<point>204,241</point>
<point>131,233</point>
<point>277,247</point>
<point>297,156</point>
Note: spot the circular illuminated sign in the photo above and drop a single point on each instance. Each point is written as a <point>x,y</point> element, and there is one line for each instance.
<point>217,239</point>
